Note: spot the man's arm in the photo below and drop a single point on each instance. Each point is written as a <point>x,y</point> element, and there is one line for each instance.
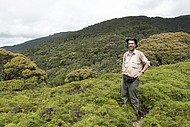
<point>140,73</point>
<point>145,67</point>
<point>123,66</point>
<point>146,62</point>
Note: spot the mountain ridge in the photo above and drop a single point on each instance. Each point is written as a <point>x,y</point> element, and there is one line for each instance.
<point>32,43</point>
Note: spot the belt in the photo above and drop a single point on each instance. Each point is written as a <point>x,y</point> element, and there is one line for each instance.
<point>128,78</point>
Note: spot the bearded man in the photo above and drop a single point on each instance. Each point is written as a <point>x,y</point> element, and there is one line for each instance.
<point>134,65</point>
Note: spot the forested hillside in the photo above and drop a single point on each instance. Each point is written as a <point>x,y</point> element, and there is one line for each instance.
<point>102,45</point>
<point>104,57</point>
<point>164,102</point>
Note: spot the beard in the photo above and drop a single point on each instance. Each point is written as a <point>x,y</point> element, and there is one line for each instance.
<point>131,48</point>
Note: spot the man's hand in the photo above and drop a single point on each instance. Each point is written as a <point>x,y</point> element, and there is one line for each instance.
<point>138,75</point>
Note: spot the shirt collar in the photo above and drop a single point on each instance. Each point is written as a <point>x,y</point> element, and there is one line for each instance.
<point>134,52</point>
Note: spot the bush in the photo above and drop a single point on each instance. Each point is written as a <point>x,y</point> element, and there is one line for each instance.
<point>166,48</point>
<point>18,72</point>
<point>80,74</point>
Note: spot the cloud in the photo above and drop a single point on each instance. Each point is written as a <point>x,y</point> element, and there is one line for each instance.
<point>29,19</point>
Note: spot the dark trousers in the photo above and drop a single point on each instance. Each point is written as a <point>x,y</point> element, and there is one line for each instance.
<point>130,90</point>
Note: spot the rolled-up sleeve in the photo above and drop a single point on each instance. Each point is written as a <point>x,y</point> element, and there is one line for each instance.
<point>144,59</point>
<point>123,66</point>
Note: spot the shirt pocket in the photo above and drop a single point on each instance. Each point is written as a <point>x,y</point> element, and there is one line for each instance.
<point>136,65</point>
<point>126,64</point>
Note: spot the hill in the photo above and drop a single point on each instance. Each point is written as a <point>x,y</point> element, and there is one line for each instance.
<point>164,101</point>
<point>102,45</point>
<point>32,43</point>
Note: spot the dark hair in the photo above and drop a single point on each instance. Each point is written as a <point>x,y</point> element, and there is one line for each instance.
<point>132,39</point>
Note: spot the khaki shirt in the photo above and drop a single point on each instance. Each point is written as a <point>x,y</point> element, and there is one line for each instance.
<point>133,63</point>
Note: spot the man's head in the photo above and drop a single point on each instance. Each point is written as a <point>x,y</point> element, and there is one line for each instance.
<point>132,43</point>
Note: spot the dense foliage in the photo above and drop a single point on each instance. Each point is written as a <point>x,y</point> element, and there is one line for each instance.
<point>164,101</point>
<point>17,72</point>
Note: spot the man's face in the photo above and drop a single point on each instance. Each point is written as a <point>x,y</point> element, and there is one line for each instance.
<point>131,45</point>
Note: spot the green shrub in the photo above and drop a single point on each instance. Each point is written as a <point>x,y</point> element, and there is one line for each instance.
<point>166,48</point>
<point>168,114</point>
<point>80,74</point>
<point>17,72</point>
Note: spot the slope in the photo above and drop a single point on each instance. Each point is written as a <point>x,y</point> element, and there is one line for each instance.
<point>164,100</point>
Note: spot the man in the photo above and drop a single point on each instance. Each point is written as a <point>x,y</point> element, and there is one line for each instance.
<point>132,69</point>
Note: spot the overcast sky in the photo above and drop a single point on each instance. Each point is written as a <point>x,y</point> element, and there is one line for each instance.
<point>23,20</point>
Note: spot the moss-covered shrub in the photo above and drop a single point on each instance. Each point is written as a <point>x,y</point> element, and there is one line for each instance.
<point>166,48</point>
<point>17,72</point>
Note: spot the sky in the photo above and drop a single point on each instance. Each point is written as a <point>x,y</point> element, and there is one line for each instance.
<point>23,20</point>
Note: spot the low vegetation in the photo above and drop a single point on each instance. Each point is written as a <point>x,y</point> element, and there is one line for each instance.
<point>164,101</point>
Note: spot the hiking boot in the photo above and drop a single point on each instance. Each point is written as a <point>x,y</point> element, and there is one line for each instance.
<point>138,118</point>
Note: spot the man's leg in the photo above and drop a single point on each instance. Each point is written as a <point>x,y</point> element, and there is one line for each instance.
<point>133,93</point>
<point>124,90</point>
